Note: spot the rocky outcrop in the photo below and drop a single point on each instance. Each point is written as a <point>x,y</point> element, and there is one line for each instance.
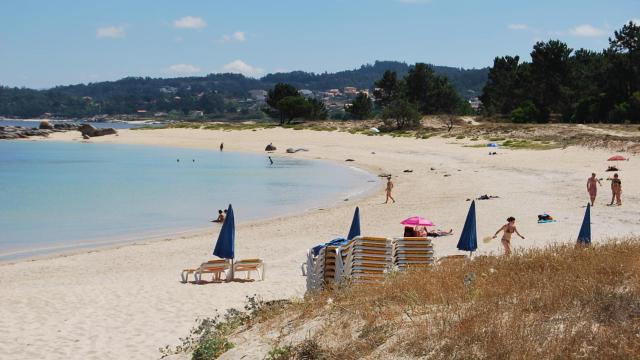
<point>19,132</point>
<point>270,147</point>
<point>44,129</point>
<point>92,131</point>
<point>66,126</point>
<point>45,125</point>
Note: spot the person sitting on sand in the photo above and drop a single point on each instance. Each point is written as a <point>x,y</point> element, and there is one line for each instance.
<point>421,231</point>
<point>508,229</point>
<point>409,231</point>
<point>616,189</point>
<point>220,217</point>
<point>592,187</point>
<point>388,190</point>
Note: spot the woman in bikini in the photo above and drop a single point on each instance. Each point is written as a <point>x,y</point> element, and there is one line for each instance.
<point>592,187</point>
<point>509,228</point>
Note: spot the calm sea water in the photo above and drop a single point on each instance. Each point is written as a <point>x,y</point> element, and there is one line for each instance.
<point>59,195</point>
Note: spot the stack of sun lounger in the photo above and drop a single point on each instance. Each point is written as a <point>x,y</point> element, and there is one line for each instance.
<point>412,252</point>
<point>320,268</point>
<point>364,260</point>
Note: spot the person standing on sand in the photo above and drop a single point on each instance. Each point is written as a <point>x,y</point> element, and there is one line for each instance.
<point>616,189</point>
<point>388,190</point>
<point>592,187</point>
<point>221,146</point>
<point>509,228</point>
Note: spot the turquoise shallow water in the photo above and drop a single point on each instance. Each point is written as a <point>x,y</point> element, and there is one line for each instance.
<point>60,195</point>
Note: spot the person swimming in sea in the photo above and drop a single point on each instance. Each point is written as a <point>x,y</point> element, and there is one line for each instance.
<point>270,160</point>
<point>508,229</point>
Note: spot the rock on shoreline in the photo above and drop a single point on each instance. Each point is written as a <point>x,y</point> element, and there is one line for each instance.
<point>45,128</point>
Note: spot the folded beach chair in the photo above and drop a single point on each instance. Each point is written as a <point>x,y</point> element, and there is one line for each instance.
<point>215,267</point>
<point>412,252</point>
<point>364,260</point>
<point>321,265</point>
<point>249,265</point>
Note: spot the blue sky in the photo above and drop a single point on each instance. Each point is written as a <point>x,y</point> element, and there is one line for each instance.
<point>51,42</point>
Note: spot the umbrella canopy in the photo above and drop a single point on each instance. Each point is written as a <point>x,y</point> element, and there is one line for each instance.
<point>469,237</point>
<point>355,225</point>
<point>417,221</point>
<point>584,237</point>
<point>225,246</point>
<point>617,158</point>
<point>492,145</point>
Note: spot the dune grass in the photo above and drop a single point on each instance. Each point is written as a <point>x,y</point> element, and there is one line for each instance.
<point>557,303</point>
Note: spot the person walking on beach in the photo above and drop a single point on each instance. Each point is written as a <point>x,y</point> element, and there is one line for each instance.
<point>388,190</point>
<point>616,190</point>
<point>221,146</point>
<point>592,187</point>
<point>508,229</point>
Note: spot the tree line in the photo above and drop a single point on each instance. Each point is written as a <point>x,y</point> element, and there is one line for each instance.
<point>566,85</point>
<point>183,95</point>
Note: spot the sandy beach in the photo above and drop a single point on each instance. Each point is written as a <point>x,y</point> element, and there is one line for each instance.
<point>126,302</point>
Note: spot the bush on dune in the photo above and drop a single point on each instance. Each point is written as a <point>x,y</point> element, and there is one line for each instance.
<point>559,302</point>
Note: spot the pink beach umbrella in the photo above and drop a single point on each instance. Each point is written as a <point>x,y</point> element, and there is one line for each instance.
<point>417,221</point>
<point>617,158</point>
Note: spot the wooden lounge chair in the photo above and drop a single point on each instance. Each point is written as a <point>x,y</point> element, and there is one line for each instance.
<point>215,267</point>
<point>249,265</point>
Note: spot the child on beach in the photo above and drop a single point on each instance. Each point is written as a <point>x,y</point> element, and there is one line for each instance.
<point>592,188</point>
<point>616,190</point>
<point>509,228</point>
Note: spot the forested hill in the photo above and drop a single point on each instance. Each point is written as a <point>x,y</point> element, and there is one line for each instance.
<point>469,83</point>
<point>220,91</point>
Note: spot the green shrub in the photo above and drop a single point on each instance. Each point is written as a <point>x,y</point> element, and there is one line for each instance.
<point>211,348</point>
<point>526,112</point>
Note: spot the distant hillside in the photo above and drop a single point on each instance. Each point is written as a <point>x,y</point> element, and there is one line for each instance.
<point>185,94</point>
<point>469,83</point>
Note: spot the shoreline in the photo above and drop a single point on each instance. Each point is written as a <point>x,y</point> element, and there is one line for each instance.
<point>126,302</point>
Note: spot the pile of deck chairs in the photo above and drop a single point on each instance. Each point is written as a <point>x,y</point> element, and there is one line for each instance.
<point>363,260</point>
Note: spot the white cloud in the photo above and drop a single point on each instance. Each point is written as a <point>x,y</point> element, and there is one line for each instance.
<point>635,21</point>
<point>190,22</point>
<point>586,30</point>
<point>183,69</point>
<point>240,67</point>
<point>236,36</point>
<point>517,27</point>
<point>113,32</point>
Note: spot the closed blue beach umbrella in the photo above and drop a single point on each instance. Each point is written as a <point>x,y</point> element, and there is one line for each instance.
<point>469,237</point>
<point>355,225</point>
<point>584,237</point>
<point>225,246</point>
